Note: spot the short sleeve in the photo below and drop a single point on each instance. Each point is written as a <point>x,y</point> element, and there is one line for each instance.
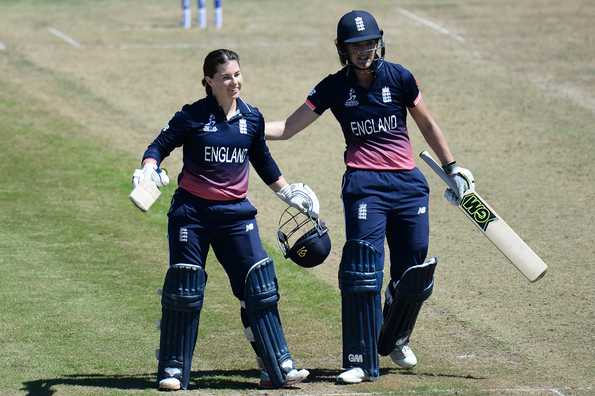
<point>319,98</point>
<point>411,93</point>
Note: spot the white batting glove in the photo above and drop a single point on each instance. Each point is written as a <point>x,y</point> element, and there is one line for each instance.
<point>150,171</point>
<point>301,197</point>
<point>464,180</point>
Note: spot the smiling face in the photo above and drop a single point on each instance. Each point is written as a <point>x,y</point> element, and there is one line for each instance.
<point>226,83</point>
<point>362,54</point>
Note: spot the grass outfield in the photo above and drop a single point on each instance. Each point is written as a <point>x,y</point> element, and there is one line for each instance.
<point>84,86</point>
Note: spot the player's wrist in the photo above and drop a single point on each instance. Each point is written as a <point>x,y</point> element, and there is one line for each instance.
<point>150,163</point>
<point>448,168</point>
<point>284,191</point>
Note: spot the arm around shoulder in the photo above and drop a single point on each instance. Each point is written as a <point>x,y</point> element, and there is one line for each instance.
<point>296,122</point>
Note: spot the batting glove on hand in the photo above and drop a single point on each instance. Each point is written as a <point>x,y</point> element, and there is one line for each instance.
<point>301,197</point>
<point>464,180</point>
<point>150,171</point>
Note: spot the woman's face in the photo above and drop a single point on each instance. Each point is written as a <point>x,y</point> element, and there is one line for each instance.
<point>361,54</point>
<point>227,82</point>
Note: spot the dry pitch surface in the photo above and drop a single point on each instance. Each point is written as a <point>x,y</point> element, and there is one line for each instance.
<point>510,82</point>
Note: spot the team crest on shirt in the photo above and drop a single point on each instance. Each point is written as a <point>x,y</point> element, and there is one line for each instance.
<point>243,126</point>
<point>386,98</point>
<point>352,99</point>
<point>210,125</point>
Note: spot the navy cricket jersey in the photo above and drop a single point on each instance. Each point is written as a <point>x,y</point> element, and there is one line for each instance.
<point>373,120</point>
<point>216,150</point>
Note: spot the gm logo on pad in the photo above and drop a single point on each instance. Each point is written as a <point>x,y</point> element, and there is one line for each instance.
<point>355,358</point>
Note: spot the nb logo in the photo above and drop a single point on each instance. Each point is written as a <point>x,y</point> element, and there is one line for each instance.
<point>302,252</point>
<point>355,358</point>
<point>421,210</point>
<point>249,227</point>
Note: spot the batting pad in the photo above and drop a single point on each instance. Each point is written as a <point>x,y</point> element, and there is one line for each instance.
<point>181,301</point>
<point>261,297</point>
<point>403,300</point>
<point>360,281</point>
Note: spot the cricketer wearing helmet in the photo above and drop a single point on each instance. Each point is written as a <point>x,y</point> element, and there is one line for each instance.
<point>384,194</point>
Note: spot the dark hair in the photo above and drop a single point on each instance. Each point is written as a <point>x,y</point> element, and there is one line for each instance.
<point>212,62</point>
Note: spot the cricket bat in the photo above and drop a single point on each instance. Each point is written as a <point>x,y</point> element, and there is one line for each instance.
<point>494,227</point>
<point>145,194</point>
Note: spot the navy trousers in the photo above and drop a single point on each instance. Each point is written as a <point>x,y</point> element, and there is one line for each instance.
<point>391,204</point>
<point>229,227</point>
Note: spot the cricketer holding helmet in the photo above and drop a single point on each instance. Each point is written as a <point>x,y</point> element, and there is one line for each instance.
<point>384,194</point>
<point>220,134</point>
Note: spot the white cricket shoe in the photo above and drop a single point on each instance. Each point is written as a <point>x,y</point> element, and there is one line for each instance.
<point>171,383</point>
<point>403,356</point>
<point>292,375</point>
<point>354,375</point>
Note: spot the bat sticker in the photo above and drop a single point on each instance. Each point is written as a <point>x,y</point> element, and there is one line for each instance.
<point>477,210</point>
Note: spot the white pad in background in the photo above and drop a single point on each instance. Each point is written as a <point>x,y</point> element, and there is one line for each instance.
<point>202,18</point>
<point>187,18</point>
<point>145,194</point>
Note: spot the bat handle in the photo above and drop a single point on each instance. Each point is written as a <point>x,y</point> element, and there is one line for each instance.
<point>435,166</point>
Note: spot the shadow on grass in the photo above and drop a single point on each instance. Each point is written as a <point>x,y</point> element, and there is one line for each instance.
<point>206,380</point>
<point>442,375</point>
<point>209,379</point>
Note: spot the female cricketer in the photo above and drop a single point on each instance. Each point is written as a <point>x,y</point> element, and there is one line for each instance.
<point>220,135</point>
<point>384,194</point>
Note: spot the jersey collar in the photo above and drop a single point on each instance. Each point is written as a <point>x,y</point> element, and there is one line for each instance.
<point>243,107</point>
<point>213,106</point>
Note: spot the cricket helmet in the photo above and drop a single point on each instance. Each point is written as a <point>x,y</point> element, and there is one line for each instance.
<point>354,27</point>
<point>302,238</point>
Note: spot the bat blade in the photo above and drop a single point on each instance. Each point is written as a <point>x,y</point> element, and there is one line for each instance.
<point>503,236</point>
<point>510,244</point>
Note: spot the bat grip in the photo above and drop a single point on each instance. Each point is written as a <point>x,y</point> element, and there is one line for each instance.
<point>435,166</point>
